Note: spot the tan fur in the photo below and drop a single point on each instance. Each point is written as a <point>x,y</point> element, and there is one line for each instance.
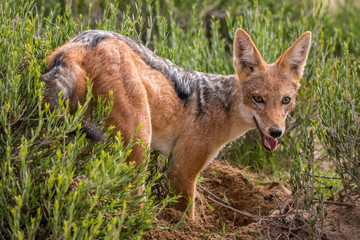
<point>144,95</point>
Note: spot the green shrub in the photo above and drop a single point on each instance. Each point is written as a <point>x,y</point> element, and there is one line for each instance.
<point>53,182</point>
<point>339,111</point>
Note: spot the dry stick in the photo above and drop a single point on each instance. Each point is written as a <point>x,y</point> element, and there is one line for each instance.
<point>22,114</point>
<point>296,236</point>
<point>278,226</point>
<point>213,195</point>
<point>279,204</point>
<point>268,231</point>
<point>253,216</point>
<point>327,177</point>
<point>328,187</point>
<point>291,231</point>
<point>298,123</point>
<point>221,202</point>
<point>278,237</point>
<point>341,197</point>
<point>258,229</point>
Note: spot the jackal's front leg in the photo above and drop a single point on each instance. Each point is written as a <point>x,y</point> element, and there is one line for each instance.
<point>184,169</point>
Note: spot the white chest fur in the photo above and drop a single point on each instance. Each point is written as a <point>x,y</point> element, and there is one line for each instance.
<point>162,144</point>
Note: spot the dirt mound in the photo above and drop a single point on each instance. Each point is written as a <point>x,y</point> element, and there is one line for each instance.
<point>240,189</point>
<point>243,191</point>
<point>249,192</point>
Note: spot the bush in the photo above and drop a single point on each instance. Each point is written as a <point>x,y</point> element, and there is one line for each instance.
<point>53,182</point>
<point>339,111</point>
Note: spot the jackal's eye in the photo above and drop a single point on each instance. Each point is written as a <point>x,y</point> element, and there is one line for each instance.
<point>286,100</point>
<point>258,99</point>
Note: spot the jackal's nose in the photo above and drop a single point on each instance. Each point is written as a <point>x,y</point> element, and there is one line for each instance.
<point>275,132</point>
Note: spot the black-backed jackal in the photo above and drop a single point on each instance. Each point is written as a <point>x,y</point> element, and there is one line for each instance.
<point>190,113</point>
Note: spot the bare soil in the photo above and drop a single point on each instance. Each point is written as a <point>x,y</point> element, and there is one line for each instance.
<point>249,192</point>
<point>342,222</point>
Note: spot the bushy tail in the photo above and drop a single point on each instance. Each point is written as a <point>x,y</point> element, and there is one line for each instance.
<point>68,77</point>
<point>91,131</point>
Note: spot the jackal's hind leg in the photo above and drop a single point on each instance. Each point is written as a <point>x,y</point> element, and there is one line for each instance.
<point>127,122</point>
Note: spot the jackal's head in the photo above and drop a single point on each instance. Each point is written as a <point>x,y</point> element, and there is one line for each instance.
<point>268,91</point>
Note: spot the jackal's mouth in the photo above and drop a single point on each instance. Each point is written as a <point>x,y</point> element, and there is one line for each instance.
<point>268,143</point>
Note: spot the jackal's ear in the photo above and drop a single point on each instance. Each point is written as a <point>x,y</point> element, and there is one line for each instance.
<point>246,56</point>
<point>294,58</point>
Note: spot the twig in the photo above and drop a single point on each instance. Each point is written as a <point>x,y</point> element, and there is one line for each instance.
<point>225,204</point>
<point>298,123</point>
<point>258,229</point>
<point>253,216</point>
<point>278,206</point>
<point>213,195</point>
<point>327,177</point>
<point>293,234</point>
<point>20,116</point>
<point>277,202</point>
<point>268,232</point>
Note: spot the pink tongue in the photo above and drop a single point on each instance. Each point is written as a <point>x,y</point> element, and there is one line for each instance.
<point>270,143</point>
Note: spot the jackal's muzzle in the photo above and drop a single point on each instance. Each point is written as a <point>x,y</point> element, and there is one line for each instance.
<point>269,143</point>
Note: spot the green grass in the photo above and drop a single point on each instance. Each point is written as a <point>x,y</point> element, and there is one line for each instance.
<point>57,184</point>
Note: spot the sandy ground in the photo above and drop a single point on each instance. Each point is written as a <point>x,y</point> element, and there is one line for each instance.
<point>248,192</point>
